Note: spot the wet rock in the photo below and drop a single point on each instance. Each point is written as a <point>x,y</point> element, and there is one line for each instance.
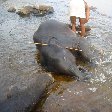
<point>74,97</point>
<point>25,10</point>
<point>39,13</point>
<point>19,98</point>
<point>11,9</point>
<point>40,10</point>
<point>46,8</point>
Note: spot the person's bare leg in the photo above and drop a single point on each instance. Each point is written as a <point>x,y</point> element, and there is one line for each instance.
<point>73,27</point>
<point>73,22</point>
<point>82,22</point>
<point>82,30</point>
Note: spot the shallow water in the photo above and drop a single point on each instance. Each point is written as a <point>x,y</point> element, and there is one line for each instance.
<point>18,57</point>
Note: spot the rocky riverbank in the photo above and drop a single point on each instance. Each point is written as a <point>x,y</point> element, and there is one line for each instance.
<point>26,86</point>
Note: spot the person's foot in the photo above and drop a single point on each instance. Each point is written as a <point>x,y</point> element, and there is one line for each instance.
<point>82,35</point>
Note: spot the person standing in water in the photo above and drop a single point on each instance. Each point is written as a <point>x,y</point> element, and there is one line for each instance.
<point>79,9</point>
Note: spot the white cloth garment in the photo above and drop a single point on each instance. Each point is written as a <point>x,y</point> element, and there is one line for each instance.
<point>77,8</point>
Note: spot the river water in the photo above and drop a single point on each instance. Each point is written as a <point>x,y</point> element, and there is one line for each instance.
<point>18,57</point>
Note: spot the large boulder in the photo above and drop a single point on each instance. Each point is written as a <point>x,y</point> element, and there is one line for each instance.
<point>18,98</point>
<point>75,97</point>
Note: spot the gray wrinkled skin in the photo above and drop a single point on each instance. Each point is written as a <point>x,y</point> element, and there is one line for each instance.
<point>60,60</point>
<point>59,30</point>
<point>56,56</point>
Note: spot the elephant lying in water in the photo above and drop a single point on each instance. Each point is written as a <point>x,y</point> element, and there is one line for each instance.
<point>60,60</point>
<point>56,57</point>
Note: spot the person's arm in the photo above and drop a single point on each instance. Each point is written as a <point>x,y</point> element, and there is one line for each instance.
<point>87,11</point>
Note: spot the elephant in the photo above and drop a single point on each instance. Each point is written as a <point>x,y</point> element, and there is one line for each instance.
<point>51,39</point>
<point>60,60</point>
<point>52,28</point>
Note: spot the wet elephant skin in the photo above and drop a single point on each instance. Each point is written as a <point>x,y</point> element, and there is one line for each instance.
<point>59,60</point>
<point>52,28</point>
